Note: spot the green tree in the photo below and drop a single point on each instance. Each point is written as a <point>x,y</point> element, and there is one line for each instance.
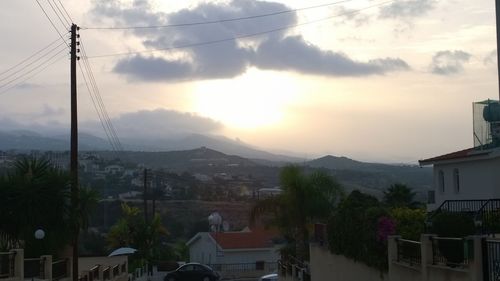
<point>33,196</point>
<point>305,199</point>
<point>399,195</point>
<point>410,223</point>
<point>133,231</point>
<point>353,231</point>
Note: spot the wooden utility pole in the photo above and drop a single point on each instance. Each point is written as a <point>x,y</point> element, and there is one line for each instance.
<point>74,149</point>
<point>145,195</point>
<point>497,12</point>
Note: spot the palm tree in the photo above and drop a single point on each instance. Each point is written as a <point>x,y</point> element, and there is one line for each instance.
<point>34,195</point>
<point>399,195</point>
<point>306,198</point>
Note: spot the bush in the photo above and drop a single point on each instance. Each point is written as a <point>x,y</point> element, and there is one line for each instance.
<point>354,228</point>
<point>447,224</point>
<point>410,223</point>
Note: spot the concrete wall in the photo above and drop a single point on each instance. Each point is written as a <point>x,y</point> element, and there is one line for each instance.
<point>479,179</point>
<point>329,267</point>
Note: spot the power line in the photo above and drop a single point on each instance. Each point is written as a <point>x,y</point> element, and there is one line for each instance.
<point>216,21</point>
<point>68,23</point>
<point>99,104</point>
<point>32,69</point>
<point>51,22</point>
<point>55,12</point>
<point>30,57</point>
<point>35,74</point>
<point>65,11</point>
<point>241,36</point>
<point>32,62</point>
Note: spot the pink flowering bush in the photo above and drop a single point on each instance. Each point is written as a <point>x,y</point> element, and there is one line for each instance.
<point>385,227</point>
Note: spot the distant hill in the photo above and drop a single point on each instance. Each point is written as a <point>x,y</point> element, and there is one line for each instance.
<point>29,140</point>
<point>375,175</point>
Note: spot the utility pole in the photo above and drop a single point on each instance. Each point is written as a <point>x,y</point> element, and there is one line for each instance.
<point>145,194</point>
<point>497,12</point>
<point>74,148</point>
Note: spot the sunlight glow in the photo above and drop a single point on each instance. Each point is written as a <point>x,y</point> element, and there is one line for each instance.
<point>256,99</point>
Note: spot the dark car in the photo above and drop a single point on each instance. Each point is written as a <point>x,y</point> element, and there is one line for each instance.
<point>192,272</point>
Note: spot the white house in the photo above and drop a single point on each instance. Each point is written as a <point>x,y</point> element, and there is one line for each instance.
<point>243,247</point>
<point>469,174</point>
<point>474,173</point>
<point>114,169</point>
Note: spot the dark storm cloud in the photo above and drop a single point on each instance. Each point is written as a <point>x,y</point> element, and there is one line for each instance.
<point>406,9</point>
<point>449,62</point>
<point>316,61</point>
<point>275,51</point>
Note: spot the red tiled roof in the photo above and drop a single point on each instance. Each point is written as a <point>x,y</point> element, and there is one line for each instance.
<point>466,153</point>
<point>244,240</point>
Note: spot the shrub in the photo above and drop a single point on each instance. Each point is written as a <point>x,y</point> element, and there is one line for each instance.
<point>447,224</point>
<point>353,230</point>
<point>410,223</point>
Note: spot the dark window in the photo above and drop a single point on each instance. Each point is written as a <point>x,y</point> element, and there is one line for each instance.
<point>441,181</point>
<point>456,180</point>
<point>431,197</point>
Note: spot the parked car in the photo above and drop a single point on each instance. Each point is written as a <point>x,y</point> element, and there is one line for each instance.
<point>269,277</point>
<point>192,272</point>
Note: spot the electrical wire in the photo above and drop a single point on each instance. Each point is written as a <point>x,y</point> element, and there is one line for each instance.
<point>35,74</point>
<point>65,11</point>
<point>192,45</point>
<point>68,22</point>
<point>32,62</point>
<point>30,57</point>
<point>216,21</point>
<point>32,69</point>
<point>51,22</point>
<point>55,12</point>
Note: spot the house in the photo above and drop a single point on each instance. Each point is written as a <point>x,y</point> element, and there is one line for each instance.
<point>254,246</point>
<point>473,173</point>
<point>114,169</point>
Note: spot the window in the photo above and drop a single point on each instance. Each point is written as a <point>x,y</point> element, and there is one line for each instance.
<point>456,180</point>
<point>441,181</point>
<point>431,197</point>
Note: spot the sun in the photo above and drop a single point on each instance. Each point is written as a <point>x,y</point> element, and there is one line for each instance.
<point>255,99</point>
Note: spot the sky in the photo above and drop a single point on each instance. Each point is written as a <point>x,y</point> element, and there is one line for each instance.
<point>386,81</point>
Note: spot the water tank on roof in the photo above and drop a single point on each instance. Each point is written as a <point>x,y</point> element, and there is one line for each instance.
<point>491,112</point>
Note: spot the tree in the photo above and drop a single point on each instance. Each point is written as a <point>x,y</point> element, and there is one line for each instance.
<point>399,195</point>
<point>305,199</point>
<point>355,230</point>
<point>34,196</point>
<point>133,231</point>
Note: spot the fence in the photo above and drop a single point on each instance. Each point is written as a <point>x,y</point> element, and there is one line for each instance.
<point>60,269</point>
<point>453,252</point>
<point>409,251</point>
<point>294,269</point>
<point>7,264</point>
<point>34,268</point>
<point>106,273</point>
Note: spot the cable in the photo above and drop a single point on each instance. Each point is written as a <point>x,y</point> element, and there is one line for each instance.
<point>27,65</point>
<point>241,36</point>
<point>28,58</point>
<point>99,99</point>
<point>35,74</point>
<point>100,104</point>
<point>51,22</point>
<point>33,69</point>
<point>216,21</point>
<point>55,12</point>
<point>65,11</point>
<point>68,23</point>
<point>95,106</point>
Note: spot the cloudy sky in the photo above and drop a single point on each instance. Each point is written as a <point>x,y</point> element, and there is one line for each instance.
<point>389,81</point>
